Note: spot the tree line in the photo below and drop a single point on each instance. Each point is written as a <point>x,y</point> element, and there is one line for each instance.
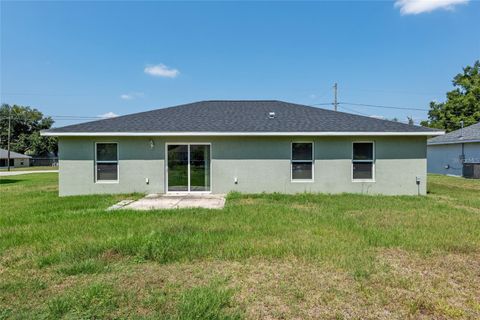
<point>25,126</point>
<point>462,104</point>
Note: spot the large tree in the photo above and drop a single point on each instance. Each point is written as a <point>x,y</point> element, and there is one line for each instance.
<point>462,104</point>
<point>26,124</point>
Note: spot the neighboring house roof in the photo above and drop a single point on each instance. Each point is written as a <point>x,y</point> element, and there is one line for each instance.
<point>240,118</point>
<point>13,155</point>
<point>469,134</point>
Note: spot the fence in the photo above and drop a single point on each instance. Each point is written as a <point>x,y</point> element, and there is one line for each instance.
<point>44,162</point>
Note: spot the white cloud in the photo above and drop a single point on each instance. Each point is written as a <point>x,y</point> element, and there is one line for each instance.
<point>126,96</point>
<point>161,70</point>
<point>421,6</point>
<point>132,95</point>
<point>109,114</point>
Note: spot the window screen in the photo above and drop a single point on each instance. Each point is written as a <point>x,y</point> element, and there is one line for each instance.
<point>362,161</point>
<point>302,161</point>
<point>106,164</point>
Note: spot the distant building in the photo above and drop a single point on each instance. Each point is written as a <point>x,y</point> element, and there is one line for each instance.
<point>447,154</point>
<point>16,159</point>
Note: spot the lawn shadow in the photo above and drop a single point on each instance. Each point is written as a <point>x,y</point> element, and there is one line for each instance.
<point>6,181</point>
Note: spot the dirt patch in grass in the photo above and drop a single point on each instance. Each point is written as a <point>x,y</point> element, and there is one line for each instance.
<point>111,256</point>
<point>460,206</point>
<point>403,285</point>
<point>304,206</point>
<point>406,285</point>
<point>249,201</point>
<point>439,286</point>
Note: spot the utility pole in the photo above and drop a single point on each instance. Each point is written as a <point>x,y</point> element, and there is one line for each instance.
<point>8,141</point>
<point>335,103</point>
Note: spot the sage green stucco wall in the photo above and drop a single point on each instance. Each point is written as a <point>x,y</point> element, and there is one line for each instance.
<point>261,164</point>
<point>137,161</point>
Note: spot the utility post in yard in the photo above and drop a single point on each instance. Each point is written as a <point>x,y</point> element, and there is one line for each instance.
<point>335,103</point>
<point>8,139</point>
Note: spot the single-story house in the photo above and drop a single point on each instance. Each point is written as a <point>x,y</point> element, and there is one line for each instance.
<point>245,146</point>
<point>16,159</point>
<point>447,154</point>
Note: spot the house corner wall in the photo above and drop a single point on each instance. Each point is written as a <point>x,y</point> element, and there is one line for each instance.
<point>137,162</point>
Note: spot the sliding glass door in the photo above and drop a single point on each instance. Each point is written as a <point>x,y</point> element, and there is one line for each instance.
<point>177,168</point>
<point>188,167</point>
<point>199,167</point>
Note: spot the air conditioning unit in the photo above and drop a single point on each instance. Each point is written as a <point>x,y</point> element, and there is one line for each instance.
<point>471,170</point>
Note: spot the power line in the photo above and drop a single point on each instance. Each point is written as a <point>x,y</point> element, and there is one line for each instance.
<point>370,116</point>
<point>24,117</point>
<point>368,105</point>
<point>354,111</point>
<point>395,91</point>
<point>380,106</point>
<point>323,104</point>
<point>44,94</point>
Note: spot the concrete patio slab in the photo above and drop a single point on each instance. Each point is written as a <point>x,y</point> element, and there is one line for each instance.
<point>120,205</point>
<point>175,201</point>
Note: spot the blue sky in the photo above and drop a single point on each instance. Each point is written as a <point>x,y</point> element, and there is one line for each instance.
<point>95,58</point>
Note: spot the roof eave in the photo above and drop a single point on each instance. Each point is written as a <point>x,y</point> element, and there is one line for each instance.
<point>454,142</point>
<point>171,134</point>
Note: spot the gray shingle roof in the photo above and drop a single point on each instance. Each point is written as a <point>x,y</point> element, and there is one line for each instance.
<point>13,155</point>
<point>470,134</point>
<point>241,116</point>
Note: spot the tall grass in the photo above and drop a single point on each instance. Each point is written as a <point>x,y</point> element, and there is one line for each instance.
<point>338,229</point>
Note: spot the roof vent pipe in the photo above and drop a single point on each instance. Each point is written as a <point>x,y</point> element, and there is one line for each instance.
<point>461,131</point>
<point>271,115</point>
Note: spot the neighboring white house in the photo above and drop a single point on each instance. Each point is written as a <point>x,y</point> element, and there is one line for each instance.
<point>16,159</point>
<point>447,154</point>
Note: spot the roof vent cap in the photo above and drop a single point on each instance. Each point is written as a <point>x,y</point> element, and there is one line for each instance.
<point>271,115</point>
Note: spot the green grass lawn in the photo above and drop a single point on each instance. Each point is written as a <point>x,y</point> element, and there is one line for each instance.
<point>39,168</point>
<point>263,256</point>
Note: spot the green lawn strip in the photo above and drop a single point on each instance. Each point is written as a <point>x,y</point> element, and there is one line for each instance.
<point>39,168</point>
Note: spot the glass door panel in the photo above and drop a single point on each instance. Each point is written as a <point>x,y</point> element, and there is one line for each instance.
<point>177,168</point>
<point>199,167</point>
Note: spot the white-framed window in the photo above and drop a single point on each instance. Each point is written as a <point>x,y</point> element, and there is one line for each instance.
<point>302,162</point>
<point>363,161</point>
<point>106,162</point>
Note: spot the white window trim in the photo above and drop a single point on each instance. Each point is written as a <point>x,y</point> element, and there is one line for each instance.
<point>188,170</point>
<point>296,161</point>
<point>366,161</point>
<point>117,162</point>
